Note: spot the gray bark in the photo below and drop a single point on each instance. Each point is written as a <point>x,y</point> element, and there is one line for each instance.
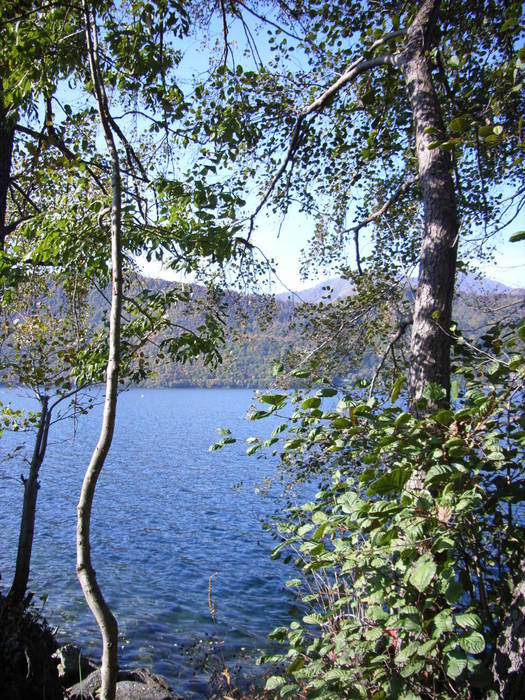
<point>430,344</point>
<point>86,574</point>
<point>508,668</point>
<point>6,156</point>
<point>27,524</point>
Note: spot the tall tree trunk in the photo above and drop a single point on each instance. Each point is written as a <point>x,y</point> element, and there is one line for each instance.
<point>430,344</point>
<point>509,658</point>
<point>27,523</point>
<point>86,574</point>
<point>6,157</point>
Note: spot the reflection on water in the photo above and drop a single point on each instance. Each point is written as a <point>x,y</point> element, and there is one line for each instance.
<point>166,517</point>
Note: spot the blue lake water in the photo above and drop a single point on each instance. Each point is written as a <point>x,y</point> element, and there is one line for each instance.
<point>167,516</point>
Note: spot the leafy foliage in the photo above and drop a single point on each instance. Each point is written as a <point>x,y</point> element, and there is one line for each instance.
<point>409,553</point>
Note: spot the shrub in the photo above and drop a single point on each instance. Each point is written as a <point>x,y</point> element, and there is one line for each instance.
<point>409,554</point>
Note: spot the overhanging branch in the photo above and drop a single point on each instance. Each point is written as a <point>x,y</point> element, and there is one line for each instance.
<point>397,337</point>
<point>379,212</point>
<point>358,67</point>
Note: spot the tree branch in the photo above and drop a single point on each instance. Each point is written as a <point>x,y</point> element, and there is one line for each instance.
<point>400,331</point>
<point>53,139</point>
<point>361,65</point>
<point>353,71</point>
<point>379,212</point>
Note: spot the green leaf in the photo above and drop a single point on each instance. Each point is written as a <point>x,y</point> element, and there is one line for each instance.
<point>423,572</point>
<point>473,643</point>
<point>341,423</point>
<point>510,23</point>
<point>485,130</point>
<point>296,664</point>
<point>274,682</point>
<point>301,373</point>
<point>289,690</point>
<point>411,669</point>
<point>518,236</point>
<point>427,647</point>
<point>402,419</point>
<point>391,481</point>
<point>313,619</point>
<point>406,653</point>
<point>311,402</point>
<point>453,592</point>
<point>468,621</point>
<point>257,415</point>
<point>443,621</point>
<point>459,125</point>
<point>327,391</point>
<point>455,663</point>
<point>273,399</point>
<point>396,389</point>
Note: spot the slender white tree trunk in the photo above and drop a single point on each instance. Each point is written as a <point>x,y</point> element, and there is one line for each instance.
<point>86,574</point>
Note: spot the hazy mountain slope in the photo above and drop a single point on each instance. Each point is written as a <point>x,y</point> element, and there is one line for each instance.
<point>259,329</point>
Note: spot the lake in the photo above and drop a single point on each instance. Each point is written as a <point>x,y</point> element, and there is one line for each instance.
<point>168,514</point>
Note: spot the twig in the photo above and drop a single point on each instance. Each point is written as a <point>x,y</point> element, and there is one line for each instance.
<point>400,331</point>
<point>210,598</point>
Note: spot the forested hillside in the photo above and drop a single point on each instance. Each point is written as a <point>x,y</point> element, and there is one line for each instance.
<point>261,329</point>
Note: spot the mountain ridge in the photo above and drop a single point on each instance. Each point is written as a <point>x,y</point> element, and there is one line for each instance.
<point>469,283</point>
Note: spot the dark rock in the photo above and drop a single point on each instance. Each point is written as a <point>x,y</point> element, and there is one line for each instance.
<point>27,671</point>
<point>72,666</point>
<point>139,684</point>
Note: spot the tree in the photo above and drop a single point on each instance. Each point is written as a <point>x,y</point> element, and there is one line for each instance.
<point>395,141</point>
<point>86,574</point>
<point>59,205</point>
<point>43,336</point>
<point>417,135</point>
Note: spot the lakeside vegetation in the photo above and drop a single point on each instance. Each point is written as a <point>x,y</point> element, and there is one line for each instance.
<point>397,128</point>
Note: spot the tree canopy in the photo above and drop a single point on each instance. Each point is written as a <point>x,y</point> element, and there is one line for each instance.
<point>398,126</point>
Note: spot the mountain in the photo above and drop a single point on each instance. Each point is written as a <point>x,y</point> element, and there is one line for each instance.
<point>335,288</point>
<point>331,289</point>
<point>260,329</point>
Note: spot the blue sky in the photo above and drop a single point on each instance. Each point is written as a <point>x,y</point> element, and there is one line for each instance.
<point>507,266</point>
<point>283,241</point>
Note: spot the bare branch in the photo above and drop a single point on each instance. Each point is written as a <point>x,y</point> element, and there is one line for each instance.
<point>54,140</point>
<point>294,142</point>
<point>361,65</point>
<point>357,253</point>
<point>270,22</point>
<point>25,196</point>
<point>224,33</point>
<point>400,332</point>
<point>352,72</point>
<point>379,212</point>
